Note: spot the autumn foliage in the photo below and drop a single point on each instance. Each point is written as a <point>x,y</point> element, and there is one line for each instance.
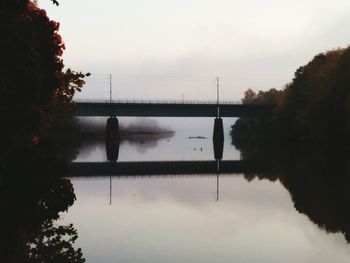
<point>315,106</point>
<point>305,139</point>
<point>34,89</point>
<point>36,97</point>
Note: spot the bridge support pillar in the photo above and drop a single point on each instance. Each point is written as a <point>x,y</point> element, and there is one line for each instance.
<point>218,138</point>
<point>112,139</point>
<point>218,129</point>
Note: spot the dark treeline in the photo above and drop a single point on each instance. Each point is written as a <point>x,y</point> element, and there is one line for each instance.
<point>35,107</point>
<point>315,106</point>
<point>304,139</point>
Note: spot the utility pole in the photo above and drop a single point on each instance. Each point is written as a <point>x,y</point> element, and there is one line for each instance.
<point>217,95</point>
<point>110,88</point>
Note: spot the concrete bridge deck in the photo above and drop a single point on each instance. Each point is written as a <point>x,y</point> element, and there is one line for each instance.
<point>123,108</point>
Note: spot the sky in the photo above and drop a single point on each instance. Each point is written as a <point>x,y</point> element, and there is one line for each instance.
<point>173,50</point>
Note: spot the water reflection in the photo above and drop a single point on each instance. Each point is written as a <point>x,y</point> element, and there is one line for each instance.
<point>218,145</point>
<point>255,213</point>
<point>151,168</point>
<point>33,193</point>
<point>97,149</point>
<point>155,168</point>
<point>176,217</point>
<point>143,143</point>
<point>316,176</point>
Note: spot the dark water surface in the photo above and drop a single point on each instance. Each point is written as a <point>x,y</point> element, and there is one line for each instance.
<point>200,218</point>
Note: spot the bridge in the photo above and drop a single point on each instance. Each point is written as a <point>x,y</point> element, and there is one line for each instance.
<point>154,168</point>
<point>152,108</point>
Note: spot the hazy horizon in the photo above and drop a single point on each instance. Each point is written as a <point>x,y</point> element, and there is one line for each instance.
<point>172,50</point>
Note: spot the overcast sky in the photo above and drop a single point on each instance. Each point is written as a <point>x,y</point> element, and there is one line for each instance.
<point>167,49</point>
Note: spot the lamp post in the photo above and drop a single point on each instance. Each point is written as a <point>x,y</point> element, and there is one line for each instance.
<point>217,96</point>
<point>110,88</point>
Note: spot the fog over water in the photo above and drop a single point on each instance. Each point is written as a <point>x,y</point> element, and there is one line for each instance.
<point>176,146</point>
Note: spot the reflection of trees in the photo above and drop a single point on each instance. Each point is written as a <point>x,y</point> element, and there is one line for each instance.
<point>31,205</point>
<point>55,244</point>
<point>314,107</point>
<point>317,178</point>
<point>33,193</point>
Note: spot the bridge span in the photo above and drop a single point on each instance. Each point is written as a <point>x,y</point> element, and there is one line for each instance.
<point>123,108</point>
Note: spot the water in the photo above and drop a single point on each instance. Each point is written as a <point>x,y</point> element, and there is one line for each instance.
<point>179,220</point>
<point>195,218</point>
<point>170,148</point>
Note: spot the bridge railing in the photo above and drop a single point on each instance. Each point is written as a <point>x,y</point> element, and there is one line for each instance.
<point>143,101</point>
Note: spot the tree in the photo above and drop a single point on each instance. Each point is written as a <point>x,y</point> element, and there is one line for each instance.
<point>315,106</point>
<point>35,95</point>
<point>249,96</point>
<point>33,84</point>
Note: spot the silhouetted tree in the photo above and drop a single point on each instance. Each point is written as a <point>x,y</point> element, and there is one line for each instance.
<point>34,89</point>
<point>315,106</point>
<point>313,113</point>
<point>35,99</point>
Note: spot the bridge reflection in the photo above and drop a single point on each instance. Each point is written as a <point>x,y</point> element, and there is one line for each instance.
<point>151,168</point>
<point>113,167</point>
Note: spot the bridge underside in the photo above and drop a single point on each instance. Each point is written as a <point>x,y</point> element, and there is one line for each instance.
<point>169,110</point>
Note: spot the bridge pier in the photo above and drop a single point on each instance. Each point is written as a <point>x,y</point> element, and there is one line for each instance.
<point>112,139</point>
<point>218,140</point>
<point>218,134</point>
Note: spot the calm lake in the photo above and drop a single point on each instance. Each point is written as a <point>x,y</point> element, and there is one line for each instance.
<point>192,218</point>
